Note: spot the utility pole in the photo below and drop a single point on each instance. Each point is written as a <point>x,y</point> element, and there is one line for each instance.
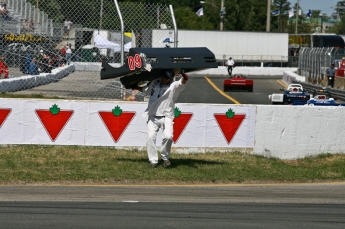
<point>101,15</point>
<point>297,12</point>
<point>268,22</point>
<point>221,15</point>
<point>36,19</point>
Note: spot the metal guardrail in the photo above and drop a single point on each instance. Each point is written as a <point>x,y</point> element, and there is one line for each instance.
<point>339,94</point>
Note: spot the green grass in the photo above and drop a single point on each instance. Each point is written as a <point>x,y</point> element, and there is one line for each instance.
<point>64,164</point>
<point>27,96</point>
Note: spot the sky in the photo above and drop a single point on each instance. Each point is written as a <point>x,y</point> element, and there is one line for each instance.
<point>323,5</point>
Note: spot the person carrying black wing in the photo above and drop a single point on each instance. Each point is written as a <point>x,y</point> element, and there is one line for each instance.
<point>163,92</point>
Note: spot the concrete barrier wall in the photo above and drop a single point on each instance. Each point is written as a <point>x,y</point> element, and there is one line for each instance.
<point>30,81</point>
<point>246,71</point>
<point>290,132</point>
<point>285,132</point>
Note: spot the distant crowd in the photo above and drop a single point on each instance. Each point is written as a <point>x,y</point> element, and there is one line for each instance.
<point>43,62</point>
<point>27,26</point>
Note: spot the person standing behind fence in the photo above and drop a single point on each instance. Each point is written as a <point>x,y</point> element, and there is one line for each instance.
<point>4,12</point>
<point>33,69</point>
<point>67,27</point>
<point>230,63</point>
<point>3,68</point>
<point>68,54</point>
<point>32,25</point>
<point>26,26</point>
<point>330,74</point>
<point>28,58</point>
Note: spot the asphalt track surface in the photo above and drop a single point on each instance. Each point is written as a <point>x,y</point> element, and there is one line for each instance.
<point>174,206</point>
<point>209,89</point>
<point>200,89</point>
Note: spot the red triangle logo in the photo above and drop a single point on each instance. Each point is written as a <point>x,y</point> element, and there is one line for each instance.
<point>180,124</point>
<point>229,126</point>
<point>54,124</point>
<point>4,114</point>
<point>116,125</point>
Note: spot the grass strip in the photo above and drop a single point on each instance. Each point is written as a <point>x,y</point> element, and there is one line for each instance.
<point>46,164</point>
<point>27,96</point>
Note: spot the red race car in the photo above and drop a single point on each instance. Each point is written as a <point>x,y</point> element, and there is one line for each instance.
<point>238,83</point>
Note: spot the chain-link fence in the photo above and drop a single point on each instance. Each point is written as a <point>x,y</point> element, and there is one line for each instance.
<point>313,63</point>
<point>56,47</point>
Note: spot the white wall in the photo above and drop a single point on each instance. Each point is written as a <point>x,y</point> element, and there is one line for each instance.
<point>285,132</point>
<point>250,45</point>
<point>289,132</point>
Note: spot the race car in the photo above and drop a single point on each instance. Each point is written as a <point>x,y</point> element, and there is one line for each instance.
<point>294,93</point>
<point>321,97</point>
<point>238,83</point>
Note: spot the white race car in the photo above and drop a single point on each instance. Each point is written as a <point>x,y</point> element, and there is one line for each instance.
<point>294,93</point>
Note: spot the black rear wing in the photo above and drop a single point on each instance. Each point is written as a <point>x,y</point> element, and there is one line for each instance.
<point>144,64</point>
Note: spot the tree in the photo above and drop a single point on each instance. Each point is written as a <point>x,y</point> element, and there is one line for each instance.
<point>283,6</point>
<point>339,28</point>
<point>238,14</point>
<point>258,16</point>
<point>186,18</point>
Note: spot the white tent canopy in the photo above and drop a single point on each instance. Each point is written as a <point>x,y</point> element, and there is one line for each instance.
<point>103,43</point>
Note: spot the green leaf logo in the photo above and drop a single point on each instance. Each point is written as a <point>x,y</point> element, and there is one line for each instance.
<point>117,111</point>
<point>230,113</point>
<point>54,109</point>
<point>177,112</point>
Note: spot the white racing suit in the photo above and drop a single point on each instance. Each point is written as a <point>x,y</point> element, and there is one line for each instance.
<point>160,113</point>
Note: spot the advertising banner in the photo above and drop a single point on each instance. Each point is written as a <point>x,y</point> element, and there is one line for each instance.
<point>121,123</point>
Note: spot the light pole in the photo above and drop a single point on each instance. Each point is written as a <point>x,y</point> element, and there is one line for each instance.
<point>268,22</point>
<point>36,11</point>
<point>101,15</point>
<point>202,3</point>
<point>321,17</point>
<point>297,12</point>
<point>222,12</point>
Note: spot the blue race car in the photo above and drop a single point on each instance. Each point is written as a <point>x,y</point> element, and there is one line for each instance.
<point>321,97</point>
<point>294,93</point>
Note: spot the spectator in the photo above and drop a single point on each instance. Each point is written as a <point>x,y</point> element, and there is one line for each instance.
<point>2,7</point>
<point>26,26</point>
<point>45,64</point>
<point>5,15</point>
<point>32,25</point>
<point>67,27</point>
<point>28,58</point>
<point>53,62</point>
<point>4,12</point>
<point>330,74</point>
<point>68,54</point>
<point>3,68</point>
<point>33,69</point>
<point>39,60</point>
<point>61,56</point>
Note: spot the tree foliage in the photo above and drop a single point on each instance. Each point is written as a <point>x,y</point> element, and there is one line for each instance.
<point>240,15</point>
